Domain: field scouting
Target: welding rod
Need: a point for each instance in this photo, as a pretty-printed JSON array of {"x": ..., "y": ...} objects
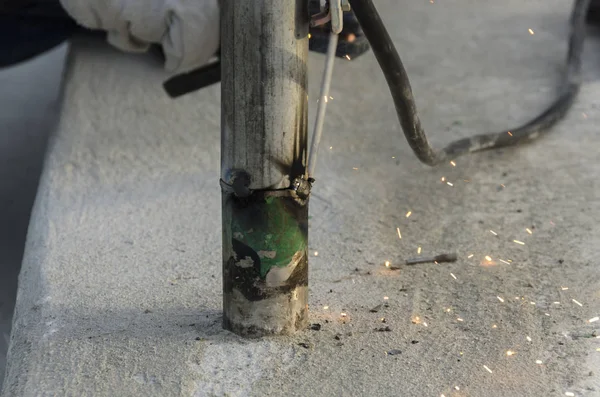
[
  {"x": 439, "y": 258},
  {"x": 325, "y": 84}
]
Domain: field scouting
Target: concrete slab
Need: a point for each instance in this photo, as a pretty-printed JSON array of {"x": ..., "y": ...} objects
[{"x": 120, "y": 290}]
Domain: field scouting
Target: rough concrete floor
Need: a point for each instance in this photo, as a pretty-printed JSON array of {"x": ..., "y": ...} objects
[
  {"x": 28, "y": 111},
  {"x": 120, "y": 289}
]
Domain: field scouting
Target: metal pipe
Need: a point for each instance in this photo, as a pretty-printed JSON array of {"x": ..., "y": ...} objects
[{"x": 264, "y": 106}]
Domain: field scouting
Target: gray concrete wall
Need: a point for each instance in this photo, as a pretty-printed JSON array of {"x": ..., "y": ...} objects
[{"x": 28, "y": 112}]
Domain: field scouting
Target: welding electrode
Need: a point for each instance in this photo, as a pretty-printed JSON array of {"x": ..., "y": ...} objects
[{"x": 439, "y": 259}]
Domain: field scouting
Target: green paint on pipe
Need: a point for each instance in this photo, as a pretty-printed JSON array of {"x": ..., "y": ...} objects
[{"x": 273, "y": 228}]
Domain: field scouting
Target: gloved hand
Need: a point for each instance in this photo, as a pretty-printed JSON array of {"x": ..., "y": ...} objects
[{"x": 187, "y": 30}]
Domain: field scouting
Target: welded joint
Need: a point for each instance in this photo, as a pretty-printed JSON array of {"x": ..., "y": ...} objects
[
  {"x": 302, "y": 187},
  {"x": 238, "y": 184},
  {"x": 240, "y": 181}
]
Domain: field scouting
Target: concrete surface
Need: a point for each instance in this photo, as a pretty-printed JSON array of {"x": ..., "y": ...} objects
[
  {"x": 120, "y": 289},
  {"x": 28, "y": 112}
]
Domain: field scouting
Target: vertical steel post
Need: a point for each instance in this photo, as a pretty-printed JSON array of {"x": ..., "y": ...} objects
[{"x": 263, "y": 153}]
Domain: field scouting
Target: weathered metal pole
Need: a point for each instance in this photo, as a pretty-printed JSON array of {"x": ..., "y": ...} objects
[{"x": 264, "y": 46}]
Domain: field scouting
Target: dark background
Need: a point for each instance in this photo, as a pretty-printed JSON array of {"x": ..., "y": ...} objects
[{"x": 29, "y": 106}]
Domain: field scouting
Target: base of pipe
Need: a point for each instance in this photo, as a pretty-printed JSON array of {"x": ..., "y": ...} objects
[{"x": 282, "y": 314}]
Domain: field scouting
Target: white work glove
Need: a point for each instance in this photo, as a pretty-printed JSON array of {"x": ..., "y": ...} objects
[{"x": 187, "y": 30}]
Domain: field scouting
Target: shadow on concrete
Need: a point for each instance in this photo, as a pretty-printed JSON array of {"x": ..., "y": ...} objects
[{"x": 29, "y": 109}]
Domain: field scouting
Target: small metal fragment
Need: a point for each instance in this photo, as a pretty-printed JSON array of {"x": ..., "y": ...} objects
[
  {"x": 394, "y": 352},
  {"x": 376, "y": 309}
]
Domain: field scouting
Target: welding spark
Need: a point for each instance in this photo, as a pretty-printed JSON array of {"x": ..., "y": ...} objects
[
  {"x": 326, "y": 99},
  {"x": 510, "y": 353},
  {"x": 453, "y": 163},
  {"x": 399, "y": 234},
  {"x": 348, "y": 57},
  {"x": 325, "y": 307},
  {"x": 460, "y": 319},
  {"x": 531, "y": 32},
  {"x": 470, "y": 256},
  {"x": 409, "y": 213},
  {"x": 330, "y": 147},
  {"x": 576, "y": 302},
  {"x": 593, "y": 320},
  {"x": 419, "y": 250},
  {"x": 316, "y": 253},
  {"x": 503, "y": 261},
  {"x": 528, "y": 230},
  {"x": 453, "y": 276},
  {"x": 533, "y": 303},
  {"x": 500, "y": 299},
  {"x": 528, "y": 339},
  {"x": 385, "y": 298},
  {"x": 493, "y": 232},
  {"x": 443, "y": 179},
  {"x": 488, "y": 258},
  {"x": 509, "y": 133},
  {"x": 387, "y": 263},
  {"x": 457, "y": 388},
  {"x": 539, "y": 362},
  {"x": 519, "y": 242},
  {"x": 449, "y": 184},
  {"x": 556, "y": 303},
  {"x": 564, "y": 288},
  {"x": 569, "y": 394},
  {"x": 343, "y": 314},
  {"x": 487, "y": 369},
  {"x": 494, "y": 326}
]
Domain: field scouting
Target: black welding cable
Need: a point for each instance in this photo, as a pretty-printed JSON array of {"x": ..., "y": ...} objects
[{"x": 399, "y": 85}]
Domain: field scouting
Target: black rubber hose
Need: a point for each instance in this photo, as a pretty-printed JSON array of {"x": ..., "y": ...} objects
[{"x": 404, "y": 102}]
